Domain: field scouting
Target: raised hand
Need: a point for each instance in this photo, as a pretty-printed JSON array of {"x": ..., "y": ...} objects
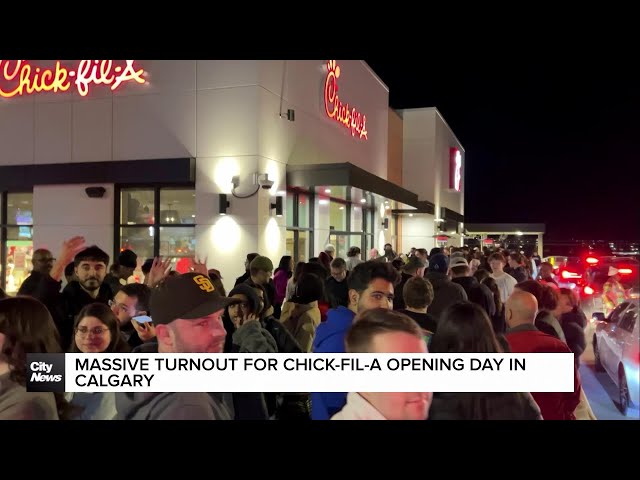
[
  {"x": 70, "y": 248},
  {"x": 159, "y": 271},
  {"x": 200, "y": 266}
]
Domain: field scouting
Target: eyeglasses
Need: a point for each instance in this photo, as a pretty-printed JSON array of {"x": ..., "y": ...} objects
[
  {"x": 95, "y": 330},
  {"x": 123, "y": 308}
]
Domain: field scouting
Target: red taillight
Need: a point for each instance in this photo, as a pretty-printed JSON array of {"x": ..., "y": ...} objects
[
  {"x": 592, "y": 260},
  {"x": 588, "y": 290},
  {"x": 625, "y": 271},
  {"x": 568, "y": 274}
]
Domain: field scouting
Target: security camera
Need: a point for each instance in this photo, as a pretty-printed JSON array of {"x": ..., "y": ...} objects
[{"x": 264, "y": 182}]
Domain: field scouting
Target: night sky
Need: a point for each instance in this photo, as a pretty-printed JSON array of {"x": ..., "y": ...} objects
[{"x": 551, "y": 139}]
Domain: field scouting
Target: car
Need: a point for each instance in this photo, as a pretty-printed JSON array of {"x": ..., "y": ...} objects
[
  {"x": 596, "y": 275},
  {"x": 568, "y": 272},
  {"x": 616, "y": 351}
]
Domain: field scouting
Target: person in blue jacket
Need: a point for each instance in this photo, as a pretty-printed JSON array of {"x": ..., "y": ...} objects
[{"x": 371, "y": 285}]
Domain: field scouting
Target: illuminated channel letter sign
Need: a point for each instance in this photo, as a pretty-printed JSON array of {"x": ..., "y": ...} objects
[
  {"x": 455, "y": 169},
  {"x": 342, "y": 113},
  {"x": 18, "y": 78}
]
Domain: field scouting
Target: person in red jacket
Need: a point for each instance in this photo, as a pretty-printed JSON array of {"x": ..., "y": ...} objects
[{"x": 524, "y": 337}]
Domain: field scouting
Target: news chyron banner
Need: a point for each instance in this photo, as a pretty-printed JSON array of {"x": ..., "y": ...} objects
[{"x": 280, "y": 372}]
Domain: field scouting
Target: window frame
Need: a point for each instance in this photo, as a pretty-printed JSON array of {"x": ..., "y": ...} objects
[
  {"x": 117, "y": 219},
  {"x": 4, "y": 228}
]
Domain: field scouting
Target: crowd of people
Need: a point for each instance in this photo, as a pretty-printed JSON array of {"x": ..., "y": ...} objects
[{"x": 449, "y": 300}]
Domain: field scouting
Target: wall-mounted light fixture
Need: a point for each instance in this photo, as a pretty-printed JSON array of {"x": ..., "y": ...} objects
[
  {"x": 385, "y": 223},
  {"x": 278, "y": 206},
  {"x": 223, "y": 203}
]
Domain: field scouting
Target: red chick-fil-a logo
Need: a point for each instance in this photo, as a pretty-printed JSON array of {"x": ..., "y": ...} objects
[
  {"x": 25, "y": 79},
  {"x": 349, "y": 117}
]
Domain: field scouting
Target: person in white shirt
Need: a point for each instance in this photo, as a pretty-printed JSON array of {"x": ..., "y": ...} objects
[
  {"x": 385, "y": 331},
  {"x": 505, "y": 282}
]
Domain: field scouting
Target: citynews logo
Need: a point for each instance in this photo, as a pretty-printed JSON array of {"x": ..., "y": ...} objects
[{"x": 45, "y": 372}]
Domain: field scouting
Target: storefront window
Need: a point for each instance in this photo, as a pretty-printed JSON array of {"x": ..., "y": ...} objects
[
  {"x": 289, "y": 244},
  {"x": 138, "y": 239},
  {"x": 170, "y": 233},
  {"x": 303, "y": 211},
  {"x": 338, "y": 216},
  {"x": 356, "y": 218},
  {"x": 17, "y": 239},
  {"x": 290, "y": 212},
  {"x": 177, "y": 206},
  {"x": 303, "y": 246},
  {"x": 137, "y": 207}
]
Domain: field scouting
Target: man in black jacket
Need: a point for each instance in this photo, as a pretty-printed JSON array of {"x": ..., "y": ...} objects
[
  {"x": 91, "y": 268},
  {"x": 477, "y": 292}
]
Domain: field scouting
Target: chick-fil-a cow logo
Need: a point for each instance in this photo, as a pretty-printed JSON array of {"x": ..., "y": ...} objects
[
  {"x": 19, "y": 78},
  {"x": 342, "y": 113},
  {"x": 455, "y": 169}
]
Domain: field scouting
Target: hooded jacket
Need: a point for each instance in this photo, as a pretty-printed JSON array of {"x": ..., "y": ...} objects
[
  {"x": 301, "y": 320},
  {"x": 478, "y": 293},
  {"x": 330, "y": 339},
  {"x": 171, "y": 405},
  {"x": 445, "y": 293}
]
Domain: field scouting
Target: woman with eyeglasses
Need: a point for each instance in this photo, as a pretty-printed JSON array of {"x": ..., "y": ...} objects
[
  {"x": 96, "y": 330},
  {"x": 26, "y": 327}
]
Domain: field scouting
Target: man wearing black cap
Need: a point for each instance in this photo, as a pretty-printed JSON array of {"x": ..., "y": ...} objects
[
  {"x": 126, "y": 264},
  {"x": 187, "y": 313},
  {"x": 445, "y": 292}
]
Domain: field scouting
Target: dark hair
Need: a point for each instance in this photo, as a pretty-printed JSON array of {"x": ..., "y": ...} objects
[
  {"x": 298, "y": 271},
  {"x": 2, "y": 294},
  {"x": 216, "y": 279},
  {"x": 573, "y": 298},
  {"x": 460, "y": 269},
  {"x": 142, "y": 294},
  {"x": 417, "y": 292},
  {"x": 316, "y": 269},
  {"x": 464, "y": 327},
  {"x": 549, "y": 300},
  {"x": 91, "y": 254},
  {"x": 534, "y": 288},
  {"x": 497, "y": 256},
  {"x": 266, "y": 303},
  {"x": 493, "y": 286},
  {"x": 481, "y": 274},
  {"x": 353, "y": 252},
  {"x": 103, "y": 313},
  {"x": 285, "y": 264},
  {"x": 422, "y": 251},
  {"x": 338, "y": 263},
  {"x": 397, "y": 263},
  {"x": 146, "y": 266},
  {"x": 28, "y": 328},
  {"x": 375, "y": 322},
  {"x": 364, "y": 273},
  {"x": 309, "y": 288},
  {"x": 70, "y": 269}
]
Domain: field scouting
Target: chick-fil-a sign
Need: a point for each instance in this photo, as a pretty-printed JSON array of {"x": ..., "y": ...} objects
[
  {"x": 342, "y": 113},
  {"x": 19, "y": 78}
]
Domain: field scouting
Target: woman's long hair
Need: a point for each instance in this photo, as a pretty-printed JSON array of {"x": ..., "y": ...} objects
[
  {"x": 465, "y": 327},
  {"x": 28, "y": 328},
  {"x": 285, "y": 264}
]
